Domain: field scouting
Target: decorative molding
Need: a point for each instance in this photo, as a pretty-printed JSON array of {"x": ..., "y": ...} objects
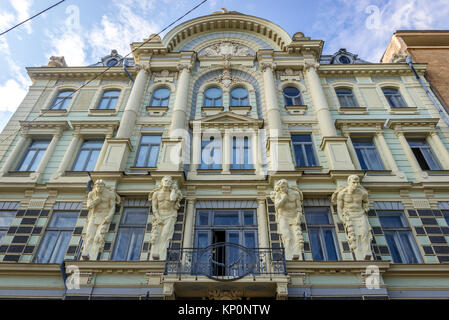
[
  {"x": 267, "y": 65},
  {"x": 182, "y": 66},
  {"x": 226, "y": 48}
]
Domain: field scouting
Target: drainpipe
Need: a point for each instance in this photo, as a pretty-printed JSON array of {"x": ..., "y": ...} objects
[
  {"x": 126, "y": 70},
  {"x": 409, "y": 61}
]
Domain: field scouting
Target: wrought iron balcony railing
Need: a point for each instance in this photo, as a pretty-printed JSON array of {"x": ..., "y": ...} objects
[{"x": 225, "y": 261}]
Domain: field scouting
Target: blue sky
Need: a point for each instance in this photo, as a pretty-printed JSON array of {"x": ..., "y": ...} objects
[{"x": 85, "y": 30}]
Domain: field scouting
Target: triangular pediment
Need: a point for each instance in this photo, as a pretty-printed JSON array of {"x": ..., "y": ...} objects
[{"x": 229, "y": 117}]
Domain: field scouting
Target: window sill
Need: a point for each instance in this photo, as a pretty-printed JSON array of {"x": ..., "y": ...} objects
[
  {"x": 437, "y": 172},
  {"x": 19, "y": 173},
  {"x": 352, "y": 110},
  {"x": 157, "y": 111},
  {"x": 378, "y": 172},
  {"x": 102, "y": 112},
  {"x": 243, "y": 171},
  {"x": 296, "y": 110},
  {"x": 407, "y": 110},
  {"x": 308, "y": 168},
  {"x": 209, "y": 171},
  {"x": 54, "y": 113},
  {"x": 243, "y": 110},
  {"x": 76, "y": 173},
  {"x": 209, "y": 111}
]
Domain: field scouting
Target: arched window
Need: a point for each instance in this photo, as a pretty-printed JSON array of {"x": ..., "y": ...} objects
[
  {"x": 346, "y": 98},
  {"x": 394, "y": 98},
  {"x": 62, "y": 100},
  {"x": 213, "y": 97},
  {"x": 292, "y": 96},
  {"x": 109, "y": 100},
  {"x": 239, "y": 97},
  {"x": 160, "y": 97}
]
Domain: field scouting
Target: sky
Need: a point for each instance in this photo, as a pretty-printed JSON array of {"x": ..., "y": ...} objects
[{"x": 83, "y": 31}]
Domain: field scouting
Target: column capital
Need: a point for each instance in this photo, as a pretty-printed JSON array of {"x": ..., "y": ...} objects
[
  {"x": 182, "y": 66},
  {"x": 267, "y": 65},
  {"x": 143, "y": 66},
  {"x": 399, "y": 133},
  {"x": 308, "y": 64}
]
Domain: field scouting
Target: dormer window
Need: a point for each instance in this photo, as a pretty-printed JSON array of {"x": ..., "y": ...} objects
[
  {"x": 292, "y": 96},
  {"x": 112, "y": 62},
  {"x": 213, "y": 97},
  {"x": 344, "y": 60}
]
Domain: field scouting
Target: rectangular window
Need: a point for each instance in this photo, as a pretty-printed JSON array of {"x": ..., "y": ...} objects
[
  {"x": 148, "y": 151},
  {"x": 211, "y": 153},
  {"x": 446, "y": 215},
  {"x": 304, "y": 151},
  {"x": 130, "y": 234},
  {"x": 241, "y": 153},
  {"x": 367, "y": 154},
  {"x": 399, "y": 237},
  {"x": 88, "y": 155},
  {"x": 424, "y": 154},
  {"x": 323, "y": 240},
  {"x": 57, "y": 236},
  {"x": 33, "y": 155},
  {"x": 6, "y": 218}
]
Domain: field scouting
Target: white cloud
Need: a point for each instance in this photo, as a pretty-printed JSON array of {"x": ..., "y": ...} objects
[
  {"x": 366, "y": 26},
  {"x": 11, "y": 95},
  {"x": 22, "y": 8}
]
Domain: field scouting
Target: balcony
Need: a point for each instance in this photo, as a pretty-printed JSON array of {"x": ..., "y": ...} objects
[{"x": 225, "y": 261}]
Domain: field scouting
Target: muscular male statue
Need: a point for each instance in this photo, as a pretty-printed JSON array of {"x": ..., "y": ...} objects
[
  {"x": 101, "y": 203},
  {"x": 288, "y": 204},
  {"x": 165, "y": 200},
  {"x": 352, "y": 206}
]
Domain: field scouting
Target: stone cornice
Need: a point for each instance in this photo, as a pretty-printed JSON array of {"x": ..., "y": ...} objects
[
  {"x": 374, "y": 69},
  {"x": 406, "y": 124},
  {"x": 78, "y": 73},
  {"x": 347, "y": 124}
]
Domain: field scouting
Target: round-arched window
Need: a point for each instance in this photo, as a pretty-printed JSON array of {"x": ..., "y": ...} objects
[
  {"x": 160, "y": 97},
  {"x": 239, "y": 97},
  {"x": 112, "y": 62},
  {"x": 292, "y": 96},
  {"x": 344, "y": 60},
  {"x": 213, "y": 97}
]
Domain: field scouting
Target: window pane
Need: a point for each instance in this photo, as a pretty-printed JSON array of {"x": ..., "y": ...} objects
[
  {"x": 154, "y": 152},
  {"x": 213, "y": 93},
  {"x": 37, "y": 160},
  {"x": 239, "y": 92},
  {"x": 202, "y": 239},
  {"x": 407, "y": 247},
  {"x": 317, "y": 215},
  {"x": 135, "y": 216},
  {"x": 299, "y": 156},
  {"x": 291, "y": 91},
  {"x": 394, "y": 250},
  {"x": 310, "y": 155},
  {"x": 121, "y": 244},
  {"x": 60, "y": 247},
  {"x": 135, "y": 244},
  {"x": 203, "y": 218},
  {"x": 142, "y": 155},
  {"x": 2, "y": 235},
  {"x": 330, "y": 245},
  {"x": 226, "y": 218},
  {"x": 148, "y": 139},
  {"x": 26, "y": 163},
  {"x": 250, "y": 240},
  {"x": 64, "y": 220},
  {"x": 315, "y": 242},
  {"x": 46, "y": 247},
  {"x": 391, "y": 221},
  {"x": 81, "y": 161},
  {"x": 249, "y": 218},
  {"x": 6, "y": 218},
  {"x": 431, "y": 161},
  {"x": 301, "y": 138},
  {"x": 92, "y": 160},
  {"x": 161, "y": 93}
]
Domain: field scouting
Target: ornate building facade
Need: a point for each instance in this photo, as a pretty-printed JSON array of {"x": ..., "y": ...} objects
[{"x": 226, "y": 160}]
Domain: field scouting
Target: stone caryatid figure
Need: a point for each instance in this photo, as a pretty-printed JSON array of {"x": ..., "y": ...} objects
[
  {"x": 288, "y": 205},
  {"x": 352, "y": 208},
  {"x": 101, "y": 203},
  {"x": 165, "y": 202}
]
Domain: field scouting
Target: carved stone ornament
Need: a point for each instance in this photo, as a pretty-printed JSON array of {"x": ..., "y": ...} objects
[
  {"x": 288, "y": 205},
  {"x": 227, "y": 48},
  {"x": 145, "y": 67},
  {"x": 57, "y": 62},
  {"x": 101, "y": 203},
  {"x": 183, "y": 66},
  {"x": 352, "y": 208},
  {"x": 265, "y": 65},
  {"x": 311, "y": 64},
  {"x": 217, "y": 294},
  {"x": 165, "y": 201}
]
